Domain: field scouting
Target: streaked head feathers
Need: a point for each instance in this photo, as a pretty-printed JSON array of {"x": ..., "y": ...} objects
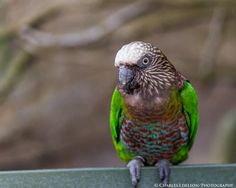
[{"x": 130, "y": 53}]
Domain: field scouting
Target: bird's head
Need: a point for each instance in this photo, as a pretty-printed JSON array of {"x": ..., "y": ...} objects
[{"x": 144, "y": 69}]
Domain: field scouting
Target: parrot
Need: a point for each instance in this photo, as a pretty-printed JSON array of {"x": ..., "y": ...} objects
[{"x": 153, "y": 113}]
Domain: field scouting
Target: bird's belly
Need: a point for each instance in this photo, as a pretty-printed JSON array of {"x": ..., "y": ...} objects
[{"x": 154, "y": 141}]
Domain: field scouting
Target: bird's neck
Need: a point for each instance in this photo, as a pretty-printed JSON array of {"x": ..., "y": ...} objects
[{"x": 152, "y": 110}]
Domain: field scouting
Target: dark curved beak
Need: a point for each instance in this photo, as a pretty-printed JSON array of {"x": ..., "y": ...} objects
[{"x": 126, "y": 75}]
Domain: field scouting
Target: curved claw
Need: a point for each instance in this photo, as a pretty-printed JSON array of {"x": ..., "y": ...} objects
[
  {"x": 135, "y": 170},
  {"x": 164, "y": 169}
]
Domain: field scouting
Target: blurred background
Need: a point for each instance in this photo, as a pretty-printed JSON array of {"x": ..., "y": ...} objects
[{"x": 57, "y": 75}]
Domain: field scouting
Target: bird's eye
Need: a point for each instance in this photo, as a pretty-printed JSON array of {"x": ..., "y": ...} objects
[{"x": 145, "y": 61}]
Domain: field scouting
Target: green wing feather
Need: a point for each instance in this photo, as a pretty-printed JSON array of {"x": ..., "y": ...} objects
[
  {"x": 190, "y": 109},
  {"x": 117, "y": 112}
]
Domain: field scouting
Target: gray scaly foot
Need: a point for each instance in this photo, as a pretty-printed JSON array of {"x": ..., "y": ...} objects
[
  {"x": 135, "y": 169},
  {"x": 164, "y": 169}
]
